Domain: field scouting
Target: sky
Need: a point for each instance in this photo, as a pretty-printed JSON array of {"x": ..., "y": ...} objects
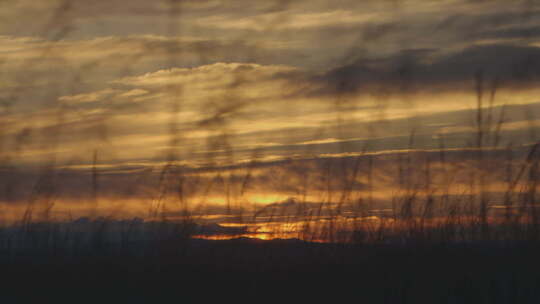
[{"x": 126, "y": 85}]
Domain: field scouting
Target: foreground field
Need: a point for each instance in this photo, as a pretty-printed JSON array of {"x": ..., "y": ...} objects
[{"x": 243, "y": 270}]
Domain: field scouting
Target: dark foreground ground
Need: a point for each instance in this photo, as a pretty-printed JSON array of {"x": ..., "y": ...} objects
[{"x": 197, "y": 271}]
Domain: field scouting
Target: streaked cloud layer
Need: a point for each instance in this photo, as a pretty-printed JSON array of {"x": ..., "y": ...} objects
[{"x": 221, "y": 81}]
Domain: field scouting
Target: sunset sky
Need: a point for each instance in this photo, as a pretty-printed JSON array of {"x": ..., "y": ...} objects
[
  {"x": 129, "y": 85},
  {"x": 277, "y": 77}
]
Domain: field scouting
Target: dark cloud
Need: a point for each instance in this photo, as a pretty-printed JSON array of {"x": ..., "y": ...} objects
[
  {"x": 422, "y": 69},
  {"x": 512, "y": 64},
  {"x": 216, "y": 229},
  {"x": 515, "y": 32}
]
